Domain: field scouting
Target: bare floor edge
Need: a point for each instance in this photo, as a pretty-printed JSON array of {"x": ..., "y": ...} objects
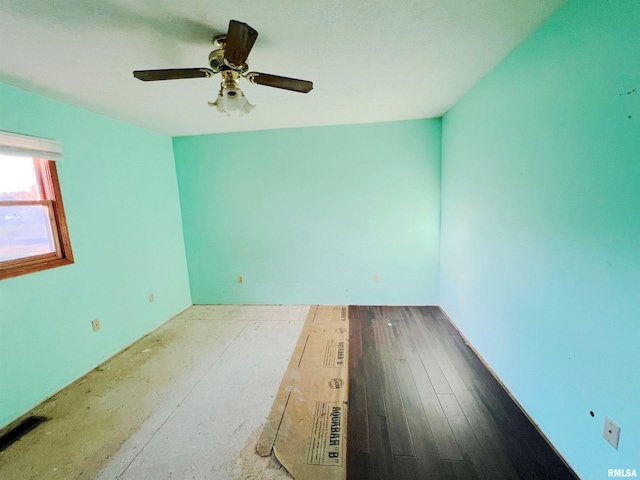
[
  {"x": 508, "y": 392},
  {"x": 95, "y": 416},
  {"x": 13, "y": 424},
  {"x": 251, "y": 466}
]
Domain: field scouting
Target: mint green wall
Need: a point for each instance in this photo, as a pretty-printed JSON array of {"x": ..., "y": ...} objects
[
  {"x": 121, "y": 199},
  {"x": 541, "y": 230},
  {"x": 310, "y": 215}
]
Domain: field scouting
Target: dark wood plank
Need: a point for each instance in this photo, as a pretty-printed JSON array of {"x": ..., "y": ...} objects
[
  {"x": 423, "y": 439},
  {"x": 469, "y": 446},
  {"x": 486, "y": 431},
  {"x": 555, "y": 472},
  {"x": 355, "y": 340},
  {"x": 519, "y": 437},
  {"x": 446, "y": 444},
  {"x": 454, "y": 470},
  {"x": 472, "y": 451},
  {"x": 353, "y": 312},
  {"x": 425, "y": 346},
  {"x": 372, "y": 370},
  {"x": 419, "y": 321},
  {"x": 399, "y": 434},
  {"x": 449, "y": 404},
  {"x": 359, "y": 466},
  {"x": 407, "y": 468},
  {"x": 389, "y": 324},
  {"x": 382, "y": 464},
  {"x": 358, "y": 428},
  {"x": 514, "y": 442}
]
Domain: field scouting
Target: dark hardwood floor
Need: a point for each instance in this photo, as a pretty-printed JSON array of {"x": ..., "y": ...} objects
[{"x": 422, "y": 405}]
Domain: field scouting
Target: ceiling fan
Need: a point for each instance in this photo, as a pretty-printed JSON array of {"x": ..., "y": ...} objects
[{"x": 230, "y": 60}]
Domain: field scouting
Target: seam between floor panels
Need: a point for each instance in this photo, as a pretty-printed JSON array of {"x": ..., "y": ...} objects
[{"x": 152, "y": 436}]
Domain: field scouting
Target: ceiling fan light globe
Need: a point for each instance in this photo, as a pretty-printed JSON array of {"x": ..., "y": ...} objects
[{"x": 232, "y": 99}]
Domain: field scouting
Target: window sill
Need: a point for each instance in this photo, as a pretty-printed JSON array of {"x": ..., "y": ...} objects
[{"x": 32, "y": 267}]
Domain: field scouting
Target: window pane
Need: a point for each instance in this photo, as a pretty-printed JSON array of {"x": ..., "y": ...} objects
[
  {"x": 17, "y": 179},
  {"x": 25, "y": 231}
]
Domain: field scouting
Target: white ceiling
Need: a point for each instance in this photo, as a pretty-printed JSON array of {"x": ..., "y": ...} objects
[{"x": 370, "y": 60}]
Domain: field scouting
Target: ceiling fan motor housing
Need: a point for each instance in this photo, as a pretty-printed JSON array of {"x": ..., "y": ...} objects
[{"x": 217, "y": 60}]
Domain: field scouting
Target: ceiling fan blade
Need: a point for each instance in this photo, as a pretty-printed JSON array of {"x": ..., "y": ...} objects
[
  {"x": 240, "y": 40},
  {"x": 172, "y": 74},
  {"x": 286, "y": 83}
]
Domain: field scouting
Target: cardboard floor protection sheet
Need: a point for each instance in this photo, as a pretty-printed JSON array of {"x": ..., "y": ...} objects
[{"x": 307, "y": 426}]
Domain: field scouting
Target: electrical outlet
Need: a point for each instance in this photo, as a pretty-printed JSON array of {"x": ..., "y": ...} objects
[
  {"x": 240, "y": 279},
  {"x": 376, "y": 278},
  {"x": 95, "y": 324},
  {"x": 152, "y": 298},
  {"x": 462, "y": 300},
  {"x": 611, "y": 432}
]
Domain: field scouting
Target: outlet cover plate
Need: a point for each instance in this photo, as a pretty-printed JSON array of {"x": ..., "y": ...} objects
[
  {"x": 611, "y": 432},
  {"x": 95, "y": 324}
]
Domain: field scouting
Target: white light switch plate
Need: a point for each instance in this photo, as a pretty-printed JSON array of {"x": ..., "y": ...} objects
[{"x": 611, "y": 432}]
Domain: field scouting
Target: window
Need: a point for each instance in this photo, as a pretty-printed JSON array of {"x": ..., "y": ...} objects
[{"x": 33, "y": 228}]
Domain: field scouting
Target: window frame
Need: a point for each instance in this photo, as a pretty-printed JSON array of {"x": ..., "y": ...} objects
[{"x": 49, "y": 184}]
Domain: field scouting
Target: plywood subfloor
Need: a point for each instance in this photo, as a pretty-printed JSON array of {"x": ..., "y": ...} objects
[{"x": 185, "y": 402}]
